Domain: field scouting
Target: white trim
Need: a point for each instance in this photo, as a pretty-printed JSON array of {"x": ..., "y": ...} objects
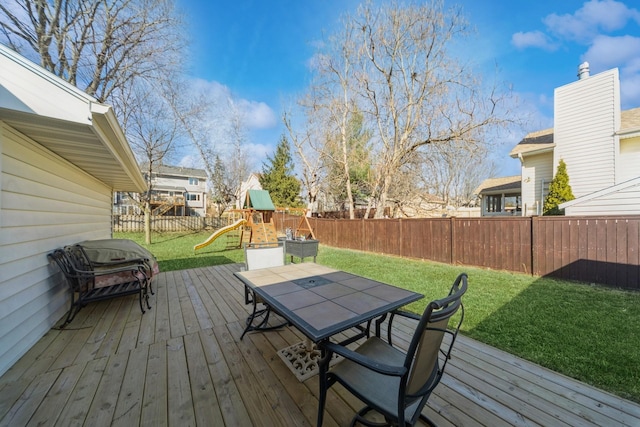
[
  {"x": 45, "y": 75},
  {"x": 600, "y": 193}
]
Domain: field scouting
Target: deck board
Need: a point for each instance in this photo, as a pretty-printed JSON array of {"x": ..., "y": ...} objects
[{"x": 182, "y": 363}]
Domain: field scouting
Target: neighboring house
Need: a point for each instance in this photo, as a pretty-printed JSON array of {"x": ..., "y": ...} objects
[
  {"x": 62, "y": 155},
  {"x": 599, "y": 143},
  {"x": 500, "y": 196},
  {"x": 252, "y": 183},
  {"x": 175, "y": 191}
]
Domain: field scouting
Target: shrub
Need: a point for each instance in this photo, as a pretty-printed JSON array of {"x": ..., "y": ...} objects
[{"x": 559, "y": 191}]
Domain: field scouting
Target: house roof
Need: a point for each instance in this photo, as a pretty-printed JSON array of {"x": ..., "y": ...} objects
[
  {"x": 538, "y": 141},
  {"x": 542, "y": 140},
  {"x": 630, "y": 123},
  {"x": 170, "y": 188},
  {"x": 66, "y": 121},
  {"x": 259, "y": 200},
  {"x": 180, "y": 171},
  {"x": 500, "y": 185}
]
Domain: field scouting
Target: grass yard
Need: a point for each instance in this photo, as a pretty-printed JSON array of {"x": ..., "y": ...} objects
[{"x": 586, "y": 332}]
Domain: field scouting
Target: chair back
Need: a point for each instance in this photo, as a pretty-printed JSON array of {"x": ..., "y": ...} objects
[
  {"x": 264, "y": 255},
  {"x": 75, "y": 266},
  {"x": 427, "y": 347}
]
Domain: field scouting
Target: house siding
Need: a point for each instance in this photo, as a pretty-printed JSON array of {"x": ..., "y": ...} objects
[
  {"x": 629, "y": 159},
  {"x": 587, "y": 115},
  {"x": 45, "y": 203},
  {"x": 623, "y": 202},
  {"x": 537, "y": 168}
]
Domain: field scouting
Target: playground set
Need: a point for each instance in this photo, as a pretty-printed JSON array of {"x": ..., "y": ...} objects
[{"x": 254, "y": 223}]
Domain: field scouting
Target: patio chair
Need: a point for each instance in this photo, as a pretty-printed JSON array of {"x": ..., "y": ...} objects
[
  {"x": 390, "y": 382},
  {"x": 257, "y": 256}
]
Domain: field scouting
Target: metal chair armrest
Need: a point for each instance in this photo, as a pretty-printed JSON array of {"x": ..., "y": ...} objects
[
  {"x": 401, "y": 313},
  {"x": 362, "y": 360}
]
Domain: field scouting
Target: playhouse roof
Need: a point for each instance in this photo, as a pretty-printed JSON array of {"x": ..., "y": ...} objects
[{"x": 259, "y": 200}]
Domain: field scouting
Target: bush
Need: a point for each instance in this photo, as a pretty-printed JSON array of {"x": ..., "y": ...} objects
[{"x": 559, "y": 191}]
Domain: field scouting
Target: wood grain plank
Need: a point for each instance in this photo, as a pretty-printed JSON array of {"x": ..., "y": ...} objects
[
  {"x": 199, "y": 307},
  {"x": 205, "y": 403},
  {"x": 230, "y": 401},
  {"x": 154, "y": 402},
  {"x": 189, "y": 317},
  {"x": 106, "y": 397},
  {"x": 22, "y": 410},
  {"x": 163, "y": 324},
  {"x": 254, "y": 397},
  {"x": 53, "y": 403},
  {"x": 77, "y": 407},
  {"x": 175, "y": 312},
  {"x": 180, "y": 405},
  {"x": 129, "y": 405}
]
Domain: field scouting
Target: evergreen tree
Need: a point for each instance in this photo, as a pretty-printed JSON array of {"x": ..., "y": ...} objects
[
  {"x": 559, "y": 191},
  {"x": 278, "y": 178}
]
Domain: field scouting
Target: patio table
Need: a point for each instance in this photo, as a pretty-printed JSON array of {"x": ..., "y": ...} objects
[{"x": 320, "y": 301}]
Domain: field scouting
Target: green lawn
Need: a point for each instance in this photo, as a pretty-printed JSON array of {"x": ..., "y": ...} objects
[{"x": 586, "y": 332}]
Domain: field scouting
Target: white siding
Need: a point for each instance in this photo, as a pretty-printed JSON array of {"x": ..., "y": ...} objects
[
  {"x": 623, "y": 202},
  {"x": 587, "y": 115},
  {"x": 45, "y": 203},
  {"x": 629, "y": 159},
  {"x": 536, "y": 169}
]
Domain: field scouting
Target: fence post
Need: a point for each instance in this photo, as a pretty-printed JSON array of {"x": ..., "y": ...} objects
[
  {"x": 452, "y": 261},
  {"x": 534, "y": 244}
]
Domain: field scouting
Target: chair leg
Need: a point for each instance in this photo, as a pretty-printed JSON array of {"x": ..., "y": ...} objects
[
  {"x": 323, "y": 367},
  {"x": 140, "y": 300}
]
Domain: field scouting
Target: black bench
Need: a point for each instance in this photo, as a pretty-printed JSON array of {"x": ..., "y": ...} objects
[{"x": 122, "y": 278}]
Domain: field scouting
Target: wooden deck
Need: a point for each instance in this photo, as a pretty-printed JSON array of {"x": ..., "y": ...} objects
[{"x": 182, "y": 364}]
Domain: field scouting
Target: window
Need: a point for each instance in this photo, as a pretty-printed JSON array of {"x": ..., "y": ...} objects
[
  {"x": 494, "y": 203},
  {"x": 193, "y": 181},
  {"x": 193, "y": 197},
  {"x": 512, "y": 204}
]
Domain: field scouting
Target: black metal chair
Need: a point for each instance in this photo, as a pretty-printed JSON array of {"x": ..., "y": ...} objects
[
  {"x": 390, "y": 382},
  {"x": 81, "y": 275}
]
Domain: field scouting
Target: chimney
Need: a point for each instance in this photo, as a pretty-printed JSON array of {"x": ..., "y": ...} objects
[{"x": 583, "y": 70}]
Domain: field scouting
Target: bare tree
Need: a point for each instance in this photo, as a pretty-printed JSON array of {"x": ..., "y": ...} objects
[
  {"x": 311, "y": 157},
  {"x": 239, "y": 166},
  {"x": 100, "y": 46},
  {"x": 152, "y": 133},
  {"x": 331, "y": 104},
  {"x": 412, "y": 89},
  {"x": 453, "y": 171}
]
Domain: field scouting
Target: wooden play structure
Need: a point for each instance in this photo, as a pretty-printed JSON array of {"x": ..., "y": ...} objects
[{"x": 254, "y": 223}]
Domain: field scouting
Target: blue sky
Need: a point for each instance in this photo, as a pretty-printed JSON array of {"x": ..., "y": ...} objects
[{"x": 257, "y": 51}]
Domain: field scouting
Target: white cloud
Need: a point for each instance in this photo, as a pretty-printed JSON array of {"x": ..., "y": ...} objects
[
  {"x": 532, "y": 39},
  {"x": 606, "y": 52},
  {"x": 191, "y": 161},
  {"x": 257, "y": 115},
  {"x": 592, "y": 17},
  {"x": 623, "y": 52}
]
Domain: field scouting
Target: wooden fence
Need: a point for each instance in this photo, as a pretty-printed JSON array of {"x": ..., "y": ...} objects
[
  {"x": 600, "y": 250},
  {"x": 135, "y": 223}
]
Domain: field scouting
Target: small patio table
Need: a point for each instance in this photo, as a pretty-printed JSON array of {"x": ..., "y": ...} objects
[{"x": 320, "y": 301}]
